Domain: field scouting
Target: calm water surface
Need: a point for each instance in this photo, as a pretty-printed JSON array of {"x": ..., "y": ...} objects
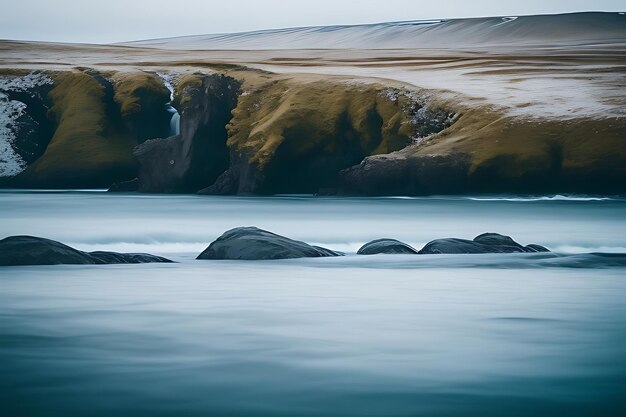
[{"x": 447, "y": 335}]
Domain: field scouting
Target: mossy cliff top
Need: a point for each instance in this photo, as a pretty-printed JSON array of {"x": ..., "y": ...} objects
[
  {"x": 319, "y": 116},
  {"x": 515, "y": 147},
  {"x": 91, "y": 145},
  {"x": 185, "y": 87},
  {"x": 487, "y": 151},
  {"x": 134, "y": 91}
]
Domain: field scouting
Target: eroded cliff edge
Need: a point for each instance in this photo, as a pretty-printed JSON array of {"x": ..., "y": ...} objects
[{"x": 252, "y": 132}]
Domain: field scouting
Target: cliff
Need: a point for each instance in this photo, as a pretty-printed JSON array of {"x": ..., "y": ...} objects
[{"x": 253, "y": 132}]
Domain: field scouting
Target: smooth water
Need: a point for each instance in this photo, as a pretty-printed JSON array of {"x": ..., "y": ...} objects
[{"x": 385, "y": 335}]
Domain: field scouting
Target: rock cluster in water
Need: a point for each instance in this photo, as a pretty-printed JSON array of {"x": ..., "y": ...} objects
[
  {"x": 252, "y": 243},
  {"x": 30, "y": 250},
  {"x": 248, "y": 243},
  {"x": 485, "y": 243}
]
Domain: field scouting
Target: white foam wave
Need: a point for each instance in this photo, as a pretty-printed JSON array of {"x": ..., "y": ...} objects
[
  {"x": 557, "y": 197},
  {"x": 574, "y": 249}
]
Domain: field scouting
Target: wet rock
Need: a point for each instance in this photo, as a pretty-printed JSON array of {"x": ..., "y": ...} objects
[
  {"x": 124, "y": 186},
  {"x": 251, "y": 243},
  {"x": 126, "y": 258},
  {"x": 495, "y": 239},
  {"x": 388, "y": 246},
  {"x": 485, "y": 243},
  {"x": 30, "y": 250},
  {"x": 536, "y": 248}
]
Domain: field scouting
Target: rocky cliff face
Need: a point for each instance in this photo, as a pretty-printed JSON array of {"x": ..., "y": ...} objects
[
  {"x": 291, "y": 137},
  {"x": 247, "y": 132},
  {"x": 195, "y": 158},
  {"x": 279, "y": 137}
]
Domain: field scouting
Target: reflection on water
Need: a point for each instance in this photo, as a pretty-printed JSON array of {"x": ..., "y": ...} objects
[{"x": 482, "y": 335}]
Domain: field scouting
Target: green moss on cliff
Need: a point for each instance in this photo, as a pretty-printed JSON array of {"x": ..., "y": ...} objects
[
  {"x": 141, "y": 98},
  {"x": 301, "y": 134},
  {"x": 317, "y": 115},
  {"x": 513, "y": 154},
  {"x": 136, "y": 91},
  {"x": 87, "y": 149},
  {"x": 185, "y": 87}
]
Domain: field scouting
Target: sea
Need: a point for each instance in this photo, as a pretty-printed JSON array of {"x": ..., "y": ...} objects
[{"x": 540, "y": 334}]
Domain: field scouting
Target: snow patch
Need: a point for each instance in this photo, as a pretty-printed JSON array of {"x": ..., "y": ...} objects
[{"x": 11, "y": 163}]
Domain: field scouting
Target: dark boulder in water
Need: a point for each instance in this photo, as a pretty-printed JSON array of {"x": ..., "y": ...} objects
[
  {"x": 485, "y": 243},
  {"x": 388, "y": 246},
  {"x": 30, "y": 250},
  {"x": 252, "y": 243}
]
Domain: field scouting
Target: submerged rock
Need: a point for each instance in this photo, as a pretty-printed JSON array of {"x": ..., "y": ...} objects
[
  {"x": 536, "y": 248},
  {"x": 389, "y": 246},
  {"x": 485, "y": 243},
  {"x": 252, "y": 243},
  {"x": 30, "y": 250},
  {"x": 124, "y": 186},
  {"x": 126, "y": 258}
]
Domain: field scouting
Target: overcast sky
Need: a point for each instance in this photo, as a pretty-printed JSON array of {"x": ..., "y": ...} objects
[{"x": 107, "y": 21}]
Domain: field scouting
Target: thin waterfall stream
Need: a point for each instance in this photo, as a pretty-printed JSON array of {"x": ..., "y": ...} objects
[{"x": 175, "y": 119}]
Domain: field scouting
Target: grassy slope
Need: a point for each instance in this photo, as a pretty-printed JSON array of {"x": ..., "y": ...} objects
[
  {"x": 301, "y": 133},
  {"x": 134, "y": 91},
  {"x": 316, "y": 116},
  {"x": 518, "y": 150},
  {"x": 87, "y": 149}
]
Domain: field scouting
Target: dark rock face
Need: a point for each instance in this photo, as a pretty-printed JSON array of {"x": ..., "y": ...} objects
[
  {"x": 241, "y": 178},
  {"x": 485, "y": 243},
  {"x": 251, "y": 243},
  {"x": 389, "y": 246},
  {"x": 402, "y": 173},
  {"x": 194, "y": 159},
  {"x": 30, "y": 250}
]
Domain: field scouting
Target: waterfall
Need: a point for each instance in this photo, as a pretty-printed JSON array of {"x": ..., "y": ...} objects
[
  {"x": 174, "y": 121},
  {"x": 175, "y": 118}
]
